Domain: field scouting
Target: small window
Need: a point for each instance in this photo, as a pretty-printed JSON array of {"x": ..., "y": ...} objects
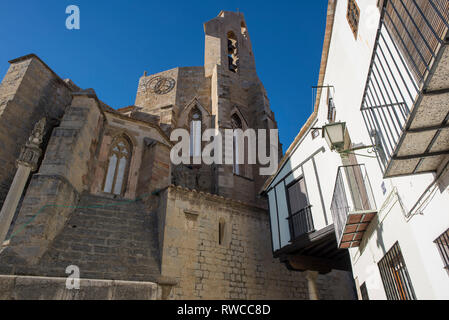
[
  {"x": 364, "y": 291},
  {"x": 332, "y": 114},
  {"x": 331, "y": 110},
  {"x": 395, "y": 277},
  {"x": 195, "y": 133},
  {"x": 443, "y": 246},
  {"x": 238, "y": 149},
  {"x": 353, "y": 16},
  {"x": 315, "y": 133},
  {"x": 221, "y": 232}
]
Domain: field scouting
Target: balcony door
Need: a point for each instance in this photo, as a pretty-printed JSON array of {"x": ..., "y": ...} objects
[
  {"x": 300, "y": 218},
  {"x": 297, "y": 195}
]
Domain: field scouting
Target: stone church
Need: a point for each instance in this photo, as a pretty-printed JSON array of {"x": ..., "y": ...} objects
[{"x": 87, "y": 187}]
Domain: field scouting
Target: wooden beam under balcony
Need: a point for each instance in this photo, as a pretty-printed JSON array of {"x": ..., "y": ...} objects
[
  {"x": 317, "y": 251},
  {"x": 321, "y": 265}
]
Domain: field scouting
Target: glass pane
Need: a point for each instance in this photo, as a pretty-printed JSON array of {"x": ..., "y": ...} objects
[
  {"x": 110, "y": 174},
  {"x": 120, "y": 176}
]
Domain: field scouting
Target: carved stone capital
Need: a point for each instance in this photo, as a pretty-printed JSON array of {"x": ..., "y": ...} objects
[{"x": 29, "y": 156}]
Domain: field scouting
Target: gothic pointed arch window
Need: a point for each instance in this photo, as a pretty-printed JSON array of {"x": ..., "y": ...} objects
[
  {"x": 237, "y": 147},
  {"x": 195, "y": 132},
  {"x": 118, "y": 166}
]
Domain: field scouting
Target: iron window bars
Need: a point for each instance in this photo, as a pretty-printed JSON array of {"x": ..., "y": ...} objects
[
  {"x": 395, "y": 277},
  {"x": 352, "y": 193},
  {"x": 407, "y": 42},
  {"x": 443, "y": 246}
]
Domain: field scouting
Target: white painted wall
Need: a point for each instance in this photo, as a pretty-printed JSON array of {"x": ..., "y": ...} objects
[{"x": 347, "y": 70}]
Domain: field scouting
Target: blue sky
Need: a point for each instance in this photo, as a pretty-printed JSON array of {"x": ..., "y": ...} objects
[{"x": 119, "y": 40}]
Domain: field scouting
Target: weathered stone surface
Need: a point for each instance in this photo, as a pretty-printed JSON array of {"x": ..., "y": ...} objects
[
  {"x": 46, "y": 288},
  {"x": 241, "y": 265},
  {"x": 29, "y": 91},
  {"x": 106, "y": 239}
]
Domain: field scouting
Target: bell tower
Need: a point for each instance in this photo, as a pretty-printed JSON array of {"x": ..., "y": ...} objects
[
  {"x": 238, "y": 99},
  {"x": 228, "y": 45}
]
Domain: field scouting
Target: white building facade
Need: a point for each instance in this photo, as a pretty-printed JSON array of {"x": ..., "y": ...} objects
[{"x": 371, "y": 165}]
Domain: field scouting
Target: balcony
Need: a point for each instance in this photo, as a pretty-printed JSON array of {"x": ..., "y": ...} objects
[
  {"x": 301, "y": 223},
  {"x": 312, "y": 249},
  {"x": 353, "y": 206},
  {"x": 406, "y": 100}
]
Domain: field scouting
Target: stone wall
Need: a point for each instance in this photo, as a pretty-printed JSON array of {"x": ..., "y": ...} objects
[
  {"x": 155, "y": 170},
  {"x": 54, "y": 191},
  {"x": 28, "y": 92},
  {"x": 43, "y": 288},
  {"x": 242, "y": 266},
  {"x": 72, "y": 150}
]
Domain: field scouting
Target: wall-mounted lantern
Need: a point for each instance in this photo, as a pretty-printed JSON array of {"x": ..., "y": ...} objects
[{"x": 334, "y": 133}]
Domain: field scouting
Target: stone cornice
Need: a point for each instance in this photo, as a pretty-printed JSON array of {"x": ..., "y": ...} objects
[{"x": 231, "y": 203}]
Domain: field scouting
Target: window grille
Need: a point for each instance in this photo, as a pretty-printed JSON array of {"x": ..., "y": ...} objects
[
  {"x": 395, "y": 277},
  {"x": 443, "y": 246}
]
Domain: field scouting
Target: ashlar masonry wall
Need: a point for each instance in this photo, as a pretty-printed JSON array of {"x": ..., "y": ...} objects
[
  {"x": 241, "y": 264},
  {"x": 28, "y": 92}
]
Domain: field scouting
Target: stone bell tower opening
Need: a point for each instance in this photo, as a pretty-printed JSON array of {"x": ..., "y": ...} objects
[
  {"x": 233, "y": 57},
  {"x": 228, "y": 45}
]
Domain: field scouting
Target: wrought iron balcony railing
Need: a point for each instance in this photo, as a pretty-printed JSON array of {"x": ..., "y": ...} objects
[
  {"x": 410, "y": 48},
  {"x": 353, "y": 205},
  {"x": 301, "y": 223}
]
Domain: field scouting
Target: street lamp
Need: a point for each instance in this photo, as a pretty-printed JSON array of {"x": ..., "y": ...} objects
[{"x": 334, "y": 133}]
